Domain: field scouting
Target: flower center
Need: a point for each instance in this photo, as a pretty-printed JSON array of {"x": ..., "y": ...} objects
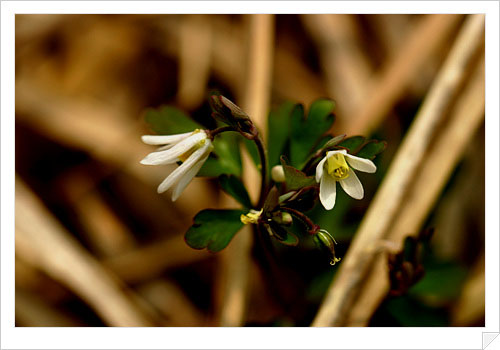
[
  {"x": 183, "y": 157},
  {"x": 337, "y": 167}
]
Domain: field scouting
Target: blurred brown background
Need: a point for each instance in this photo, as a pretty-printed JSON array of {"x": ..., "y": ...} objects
[{"x": 96, "y": 245}]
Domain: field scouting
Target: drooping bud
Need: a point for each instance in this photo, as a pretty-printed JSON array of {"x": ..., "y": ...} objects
[
  {"x": 228, "y": 112},
  {"x": 326, "y": 241}
]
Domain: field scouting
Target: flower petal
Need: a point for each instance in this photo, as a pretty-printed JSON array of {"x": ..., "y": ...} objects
[
  {"x": 361, "y": 164},
  {"x": 319, "y": 169},
  {"x": 352, "y": 186},
  {"x": 178, "y": 173},
  {"x": 171, "y": 155},
  {"x": 186, "y": 179},
  {"x": 327, "y": 191},
  {"x": 164, "y": 139}
]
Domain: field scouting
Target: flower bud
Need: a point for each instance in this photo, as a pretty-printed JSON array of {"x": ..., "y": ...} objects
[
  {"x": 326, "y": 241},
  {"x": 278, "y": 174},
  {"x": 228, "y": 112},
  {"x": 283, "y": 218}
]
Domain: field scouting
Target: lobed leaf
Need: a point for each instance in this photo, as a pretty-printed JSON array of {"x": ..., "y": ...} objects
[
  {"x": 371, "y": 149},
  {"x": 214, "y": 229},
  {"x": 305, "y": 132},
  {"x": 279, "y": 132},
  {"x": 294, "y": 178},
  {"x": 352, "y": 143}
]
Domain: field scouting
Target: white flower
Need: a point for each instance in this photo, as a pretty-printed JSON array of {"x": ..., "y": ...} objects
[
  {"x": 334, "y": 168},
  {"x": 192, "y": 148}
]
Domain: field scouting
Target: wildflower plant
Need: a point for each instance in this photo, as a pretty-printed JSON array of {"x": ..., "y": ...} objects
[{"x": 301, "y": 164}]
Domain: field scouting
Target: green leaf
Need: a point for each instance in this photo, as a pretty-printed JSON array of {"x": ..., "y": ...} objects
[
  {"x": 305, "y": 132},
  {"x": 442, "y": 280},
  {"x": 169, "y": 120},
  {"x": 279, "y": 132},
  {"x": 334, "y": 141},
  {"x": 234, "y": 187},
  {"x": 214, "y": 229},
  {"x": 371, "y": 149},
  {"x": 352, "y": 143},
  {"x": 225, "y": 158},
  {"x": 294, "y": 178},
  {"x": 409, "y": 312}
]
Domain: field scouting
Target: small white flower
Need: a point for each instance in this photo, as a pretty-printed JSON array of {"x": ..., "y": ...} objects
[
  {"x": 192, "y": 148},
  {"x": 334, "y": 168}
]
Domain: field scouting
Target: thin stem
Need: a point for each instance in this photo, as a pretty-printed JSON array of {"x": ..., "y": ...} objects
[
  {"x": 212, "y": 133},
  {"x": 313, "y": 228},
  {"x": 263, "y": 170}
]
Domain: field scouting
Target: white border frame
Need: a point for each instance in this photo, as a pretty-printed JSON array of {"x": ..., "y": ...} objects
[{"x": 223, "y": 338}]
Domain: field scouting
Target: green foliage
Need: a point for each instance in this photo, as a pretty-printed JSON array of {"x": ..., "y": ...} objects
[
  {"x": 442, "y": 280},
  {"x": 371, "y": 149},
  {"x": 334, "y": 141},
  {"x": 294, "y": 178},
  {"x": 169, "y": 120},
  {"x": 225, "y": 158},
  {"x": 305, "y": 132},
  {"x": 234, "y": 187},
  {"x": 214, "y": 229},
  {"x": 352, "y": 143},
  {"x": 279, "y": 132},
  {"x": 409, "y": 312}
]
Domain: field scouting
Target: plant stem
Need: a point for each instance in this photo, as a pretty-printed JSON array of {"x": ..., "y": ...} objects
[
  {"x": 263, "y": 170},
  {"x": 212, "y": 133},
  {"x": 312, "y": 227}
]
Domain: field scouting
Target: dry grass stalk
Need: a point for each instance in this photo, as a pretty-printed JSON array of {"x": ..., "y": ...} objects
[
  {"x": 389, "y": 85},
  {"x": 150, "y": 261},
  {"x": 345, "y": 65},
  {"x": 389, "y": 198},
  {"x": 41, "y": 240},
  {"x": 33, "y": 311},
  {"x": 236, "y": 258},
  {"x": 466, "y": 118},
  {"x": 172, "y": 302},
  {"x": 105, "y": 231},
  {"x": 470, "y": 307},
  {"x": 101, "y": 131},
  {"x": 194, "y": 60}
]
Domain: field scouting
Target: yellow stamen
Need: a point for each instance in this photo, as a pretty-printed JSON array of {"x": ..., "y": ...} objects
[
  {"x": 337, "y": 166},
  {"x": 252, "y": 217}
]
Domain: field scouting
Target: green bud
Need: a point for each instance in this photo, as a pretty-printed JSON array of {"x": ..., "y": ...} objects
[
  {"x": 326, "y": 241},
  {"x": 282, "y": 218}
]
